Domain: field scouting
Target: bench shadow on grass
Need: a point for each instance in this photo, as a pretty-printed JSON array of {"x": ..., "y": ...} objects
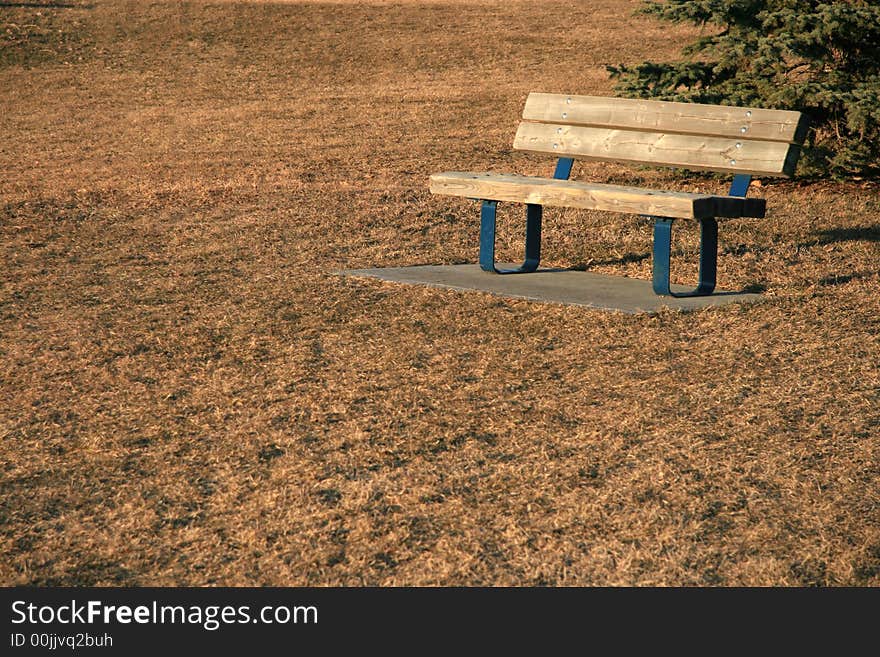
[
  {"x": 629, "y": 258},
  {"x": 830, "y": 236}
]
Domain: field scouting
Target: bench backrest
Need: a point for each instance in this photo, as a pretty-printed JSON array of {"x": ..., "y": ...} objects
[{"x": 688, "y": 135}]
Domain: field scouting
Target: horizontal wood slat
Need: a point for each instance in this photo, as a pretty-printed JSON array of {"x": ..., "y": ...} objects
[
  {"x": 592, "y": 196},
  {"x": 668, "y": 117},
  {"x": 655, "y": 148}
]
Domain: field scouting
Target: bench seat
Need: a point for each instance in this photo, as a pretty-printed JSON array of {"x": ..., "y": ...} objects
[{"x": 592, "y": 196}]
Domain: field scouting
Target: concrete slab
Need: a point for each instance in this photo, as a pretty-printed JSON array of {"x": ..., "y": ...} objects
[{"x": 563, "y": 286}]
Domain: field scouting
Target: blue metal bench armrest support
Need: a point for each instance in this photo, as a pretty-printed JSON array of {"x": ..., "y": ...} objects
[
  {"x": 534, "y": 213},
  {"x": 708, "y": 248}
]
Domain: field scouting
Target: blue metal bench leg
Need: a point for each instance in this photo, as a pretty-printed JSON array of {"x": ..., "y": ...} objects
[
  {"x": 708, "y": 257},
  {"x": 487, "y": 239}
]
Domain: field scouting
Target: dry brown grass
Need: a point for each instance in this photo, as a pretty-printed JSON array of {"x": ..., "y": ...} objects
[{"x": 189, "y": 395}]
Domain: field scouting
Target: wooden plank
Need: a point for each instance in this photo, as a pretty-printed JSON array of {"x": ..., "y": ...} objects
[
  {"x": 668, "y": 117},
  {"x": 592, "y": 196},
  {"x": 657, "y": 148}
]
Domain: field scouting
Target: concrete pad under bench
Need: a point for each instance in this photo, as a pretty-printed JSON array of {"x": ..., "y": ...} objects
[{"x": 578, "y": 288}]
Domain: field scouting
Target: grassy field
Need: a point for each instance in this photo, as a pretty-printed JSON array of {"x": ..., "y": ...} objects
[{"x": 190, "y": 395}]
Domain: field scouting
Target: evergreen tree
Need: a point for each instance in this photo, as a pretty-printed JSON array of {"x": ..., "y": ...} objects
[{"x": 821, "y": 58}]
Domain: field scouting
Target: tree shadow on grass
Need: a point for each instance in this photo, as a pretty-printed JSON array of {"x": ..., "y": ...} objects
[
  {"x": 838, "y": 235},
  {"x": 841, "y": 279},
  {"x": 857, "y": 234}
]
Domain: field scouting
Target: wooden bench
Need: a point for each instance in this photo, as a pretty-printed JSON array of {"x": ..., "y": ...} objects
[{"x": 738, "y": 140}]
